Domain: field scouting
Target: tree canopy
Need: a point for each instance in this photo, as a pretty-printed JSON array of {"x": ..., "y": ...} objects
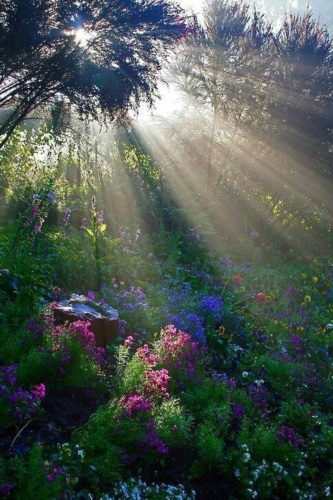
[
  {"x": 273, "y": 86},
  {"x": 108, "y": 70}
]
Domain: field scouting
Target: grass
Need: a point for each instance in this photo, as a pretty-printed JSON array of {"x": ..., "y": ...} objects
[{"x": 236, "y": 397}]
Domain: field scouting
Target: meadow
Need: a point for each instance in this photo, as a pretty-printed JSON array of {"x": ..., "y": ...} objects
[{"x": 219, "y": 382}]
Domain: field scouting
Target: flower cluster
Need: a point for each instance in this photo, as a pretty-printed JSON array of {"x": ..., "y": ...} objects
[
  {"x": 66, "y": 217},
  {"x": 289, "y": 434},
  {"x": 179, "y": 353},
  {"x": 135, "y": 403},
  {"x": 22, "y": 403},
  {"x": 152, "y": 440},
  {"x": 136, "y": 488},
  {"x": 192, "y": 311},
  {"x": 157, "y": 382},
  {"x": 133, "y": 299},
  {"x": 79, "y": 330},
  {"x": 127, "y": 239},
  {"x": 53, "y": 475},
  {"x": 40, "y": 205}
]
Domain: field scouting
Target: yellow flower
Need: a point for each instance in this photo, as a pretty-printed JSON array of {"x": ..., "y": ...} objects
[
  {"x": 221, "y": 330},
  {"x": 315, "y": 279},
  {"x": 307, "y": 298}
]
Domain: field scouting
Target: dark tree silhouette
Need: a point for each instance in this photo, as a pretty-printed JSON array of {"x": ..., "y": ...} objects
[
  {"x": 226, "y": 65},
  {"x": 42, "y": 60}
]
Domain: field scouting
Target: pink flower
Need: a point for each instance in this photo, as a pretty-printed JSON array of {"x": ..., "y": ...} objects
[
  {"x": 39, "y": 391},
  {"x": 135, "y": 403},
  {"x": 53, "y": 475},
  {"x": 91, "y": 295},
  {"x": 129, "y": 341},
  {"x": 238, "y": 280},
  {"x": 157, "y": 382},
  {"x": 261, "y": 297}
]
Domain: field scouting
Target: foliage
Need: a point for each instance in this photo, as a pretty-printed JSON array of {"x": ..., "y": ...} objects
[
  {"x": 234, "y": 394},
  {"x": 109, "y": 71},
  {"x": 256, "y": 130}
]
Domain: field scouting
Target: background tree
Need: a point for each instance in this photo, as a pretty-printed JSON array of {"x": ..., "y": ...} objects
[
  {"x": 223, "y": 69},
  {"x": 302, "y": 108},
  {"x": 265, "y": 101},
  {"x": 102, "y": 56}
]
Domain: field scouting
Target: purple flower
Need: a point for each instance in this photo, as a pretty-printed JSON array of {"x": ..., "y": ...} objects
[
  {"x": 238, "y": 410},
  {"x": 91, "y": 295},
  {"x": 53, "y": 475},
  {"x": 151, "y": 439},
  {"x": 67, "y": 216},
  {"x": 51, "y": 196},
  {"x": 297, "y": 342},
  {"x": 38, "y": 225},
  {"x": 5, "y": 488},
  {"x": 7, "y": 375},
  {"x": 35, "y": 211},
  {"x": 289, "y": 434},
  {"x": 135, "y": 403},
  {"x": 129, "y": 341},
  {"x": 254, "y": 234},
  {"x": 100, "y": 218}
]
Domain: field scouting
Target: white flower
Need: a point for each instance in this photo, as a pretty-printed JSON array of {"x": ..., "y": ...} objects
[
  {"x": 245, "y": 374},
  {"x": 329, "y": 326},
  {"x": 327, "y": 491},
  {"x": 247, "y": 457},
  {"x": 278, "y": 467}
]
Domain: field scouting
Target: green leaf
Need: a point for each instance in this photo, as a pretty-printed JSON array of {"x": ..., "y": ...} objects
[
  {"x": 89, "y": 231},
  {"x": 102, "y": 228}
]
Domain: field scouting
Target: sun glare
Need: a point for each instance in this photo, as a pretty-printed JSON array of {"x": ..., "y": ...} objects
[{"x": 82, "y": 37}]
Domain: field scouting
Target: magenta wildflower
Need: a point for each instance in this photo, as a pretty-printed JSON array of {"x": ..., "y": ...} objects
[
  {"x": 129, "y": 341},
  {"x": 157, "y": 382},
  {"x": 39, "y": 391},
  {"x": 6, "y": 488},
  {"x": 53, "y": 475},
  {"x": 91, "y": 295},
  {"x": 179, "y": 352},
  {"x": 135, "y": 403}
]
